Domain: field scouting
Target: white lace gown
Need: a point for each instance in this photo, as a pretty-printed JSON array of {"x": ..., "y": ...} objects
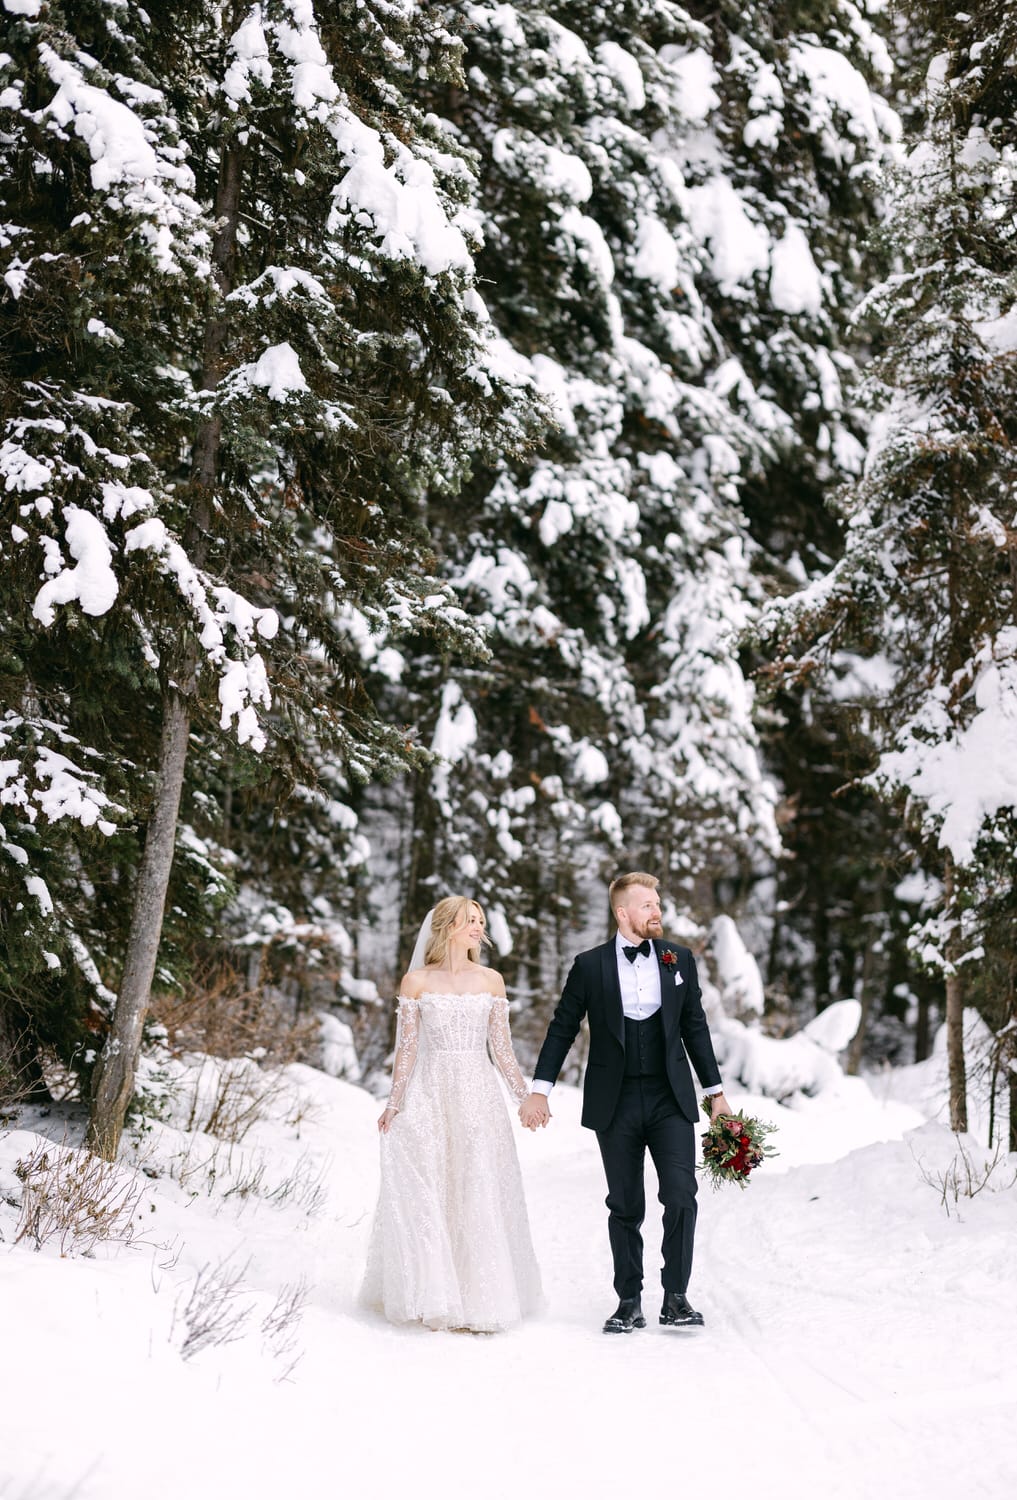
[{"x": 450, "y": 1246}]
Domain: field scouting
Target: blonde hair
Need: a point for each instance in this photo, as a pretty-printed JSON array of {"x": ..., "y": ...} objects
[
  {"x": 444, "y": 919},
  {"x": 618, "y": 887}
]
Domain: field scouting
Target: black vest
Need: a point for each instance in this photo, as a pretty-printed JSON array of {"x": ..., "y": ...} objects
[{"x": 644, "y": 1047}]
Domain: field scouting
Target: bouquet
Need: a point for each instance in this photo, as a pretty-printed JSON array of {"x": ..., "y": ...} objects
[{"x": 733, "y": 1145}]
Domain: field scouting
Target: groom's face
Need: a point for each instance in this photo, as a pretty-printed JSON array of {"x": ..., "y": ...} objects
[{"x": 639, "y": 911}]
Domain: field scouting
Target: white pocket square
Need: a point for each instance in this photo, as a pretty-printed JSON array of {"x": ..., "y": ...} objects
[{"x": 678, "y": 978}]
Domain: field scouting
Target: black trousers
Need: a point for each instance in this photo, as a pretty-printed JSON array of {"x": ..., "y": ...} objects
[{"x": 647, "y": 1117}]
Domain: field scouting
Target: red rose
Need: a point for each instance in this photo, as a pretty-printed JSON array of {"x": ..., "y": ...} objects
[{"x": 669, "y": 958}]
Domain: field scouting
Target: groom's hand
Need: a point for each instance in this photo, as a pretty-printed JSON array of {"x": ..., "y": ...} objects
[
  {"x": 535, "y": 1111},
  {"x": 719, "y": 1106}
]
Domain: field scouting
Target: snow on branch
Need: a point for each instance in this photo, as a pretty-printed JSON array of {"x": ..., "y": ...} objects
[
  {"x": 230, "y": 626},
  {"x": 400, "y": 200},
  {"x": 243, "y": 681},
  {"x": 967, "y": 778},
  {"x": 37, "y": 780},
  {"x": 43, "y": 780},
  {"x": 131, "y": 160},
  {"x": 91, "y": 581}
]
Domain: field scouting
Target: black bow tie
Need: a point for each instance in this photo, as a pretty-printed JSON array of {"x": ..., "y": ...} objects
[{"x": 643, "y": 948}]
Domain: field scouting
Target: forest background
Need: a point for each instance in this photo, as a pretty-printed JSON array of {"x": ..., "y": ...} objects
[{"x": 465, "y": 447}]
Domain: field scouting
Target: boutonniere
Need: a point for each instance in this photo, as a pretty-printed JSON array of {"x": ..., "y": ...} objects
[{"x": 670, "y": 961}]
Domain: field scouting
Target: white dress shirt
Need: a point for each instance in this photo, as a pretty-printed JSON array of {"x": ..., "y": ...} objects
[{"x": 639, "y": 981}]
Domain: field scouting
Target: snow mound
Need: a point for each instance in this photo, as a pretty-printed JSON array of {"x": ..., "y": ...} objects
[
  {"x": 785, "y": 1067},
  {"x": 738, "y": 976},
  {"x": 338, "y": 1052},
  {"x": 834, "y": 1027}
]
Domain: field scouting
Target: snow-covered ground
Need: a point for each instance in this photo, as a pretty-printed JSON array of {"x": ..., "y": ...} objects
[{"x": 859, "y": 1338}]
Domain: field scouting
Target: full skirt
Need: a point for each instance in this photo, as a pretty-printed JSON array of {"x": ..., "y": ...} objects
[{"x": 450, "y": 1245}]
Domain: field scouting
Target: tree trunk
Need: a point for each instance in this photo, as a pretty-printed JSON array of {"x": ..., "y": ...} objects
[
  {"x": 857, "y": 1047},
  {"x": 821, "y": 941},
  {"x": 954, "y": 1017},
  {"x": 114, "y": 1082},
  {"x": 993, "y": 1084},
  {"x": 1008, "y": 1049},
  {"x": 955, "y": 1053},
  {"x": 419, "y": 884},
  {"x": 922, "y": 1030},
  {"x": 419, "y": 895},
  {"x": 113, "y": 1085}
]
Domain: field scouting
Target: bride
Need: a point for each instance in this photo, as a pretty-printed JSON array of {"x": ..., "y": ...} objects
[{"x": 450, "y": 1246}]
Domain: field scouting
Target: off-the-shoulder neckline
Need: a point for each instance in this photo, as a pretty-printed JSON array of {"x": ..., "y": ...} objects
[{"x": 454, "y": 995}]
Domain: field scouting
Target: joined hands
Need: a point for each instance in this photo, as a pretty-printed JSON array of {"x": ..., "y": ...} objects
[{"x": 534, "y": 1112}]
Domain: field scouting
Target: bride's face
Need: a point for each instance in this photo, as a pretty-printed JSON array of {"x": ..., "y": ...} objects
[{"x": 469, "y": 930}]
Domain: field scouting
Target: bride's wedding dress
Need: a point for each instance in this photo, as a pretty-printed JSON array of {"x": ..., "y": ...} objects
[{"x": 450, "y": 1246}]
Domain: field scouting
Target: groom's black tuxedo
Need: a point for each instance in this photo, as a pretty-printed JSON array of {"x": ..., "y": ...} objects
[
  {"x": 639, "y": 1096},
  {"x": 592, "y": 990}
]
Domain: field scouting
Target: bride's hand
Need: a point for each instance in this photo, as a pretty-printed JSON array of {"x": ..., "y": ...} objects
[
  {"x": 534, "y": 1112},
  {"x": 385, "y": 1120}
]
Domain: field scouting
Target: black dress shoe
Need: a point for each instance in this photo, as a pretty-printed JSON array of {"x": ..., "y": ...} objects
[
  {"x": 676, "y": 1312},
  {"x": 629, "y": 1315}
]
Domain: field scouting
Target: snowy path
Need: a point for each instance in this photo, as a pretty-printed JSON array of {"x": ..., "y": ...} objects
[{"x": 858, "y": 1341}]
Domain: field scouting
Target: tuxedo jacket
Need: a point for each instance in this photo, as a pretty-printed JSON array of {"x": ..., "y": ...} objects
[{"x": 592, "y": 990}]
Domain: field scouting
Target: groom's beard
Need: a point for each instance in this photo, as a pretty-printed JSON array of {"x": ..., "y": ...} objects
[{"x": 651, "y": 928}]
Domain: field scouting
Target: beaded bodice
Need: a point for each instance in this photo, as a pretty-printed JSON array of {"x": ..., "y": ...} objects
[{"x": 453, "y": 1025}]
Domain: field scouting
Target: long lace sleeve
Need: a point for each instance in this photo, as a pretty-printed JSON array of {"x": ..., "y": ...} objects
[
  {"x": 500, "y": 1041},
  {"x": 407, "y": 1038}
]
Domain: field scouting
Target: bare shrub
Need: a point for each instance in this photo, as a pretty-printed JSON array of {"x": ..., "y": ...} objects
[
  {"x": 244, "y": 1175},
  {"x": 241, "y": 1095},
  {"x": 303, "y": 1109},
  {"x": 226, "y": 1097},
  {"x": 21, "y": 1078},
  {"x": 219, "y": 1309},
  {"x": 74, "y": 1198},
  {"x": 219, "y": 1014},
  {"x": 966, "y": 1177},
  {"x": 201, "y": 1170},
  {"x": 38, "y": 1487},
  {"x": 304, "y": 1187},
  {"x": 63, "y": 1083},
  {"x": 164, "y": 1258},
  {"x": 239, "y": 1039},
  {"x": 214, "y": 1314},
  {"x": 247, "y": 1180},
  {"x": 281, "y": 1323}
]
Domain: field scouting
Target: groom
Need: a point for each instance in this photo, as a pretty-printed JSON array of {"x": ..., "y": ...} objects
[{"x": 646, "y": 1021}]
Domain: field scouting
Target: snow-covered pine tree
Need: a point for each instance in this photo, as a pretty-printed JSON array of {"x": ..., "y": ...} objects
[
  {"x": 922, "y": 608},
  {"x": 95, "y": 200},
  {"x": 257, "y": 240},
  {"x": 809, "y": 127},
  {"x": 671, "y": 196}
]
